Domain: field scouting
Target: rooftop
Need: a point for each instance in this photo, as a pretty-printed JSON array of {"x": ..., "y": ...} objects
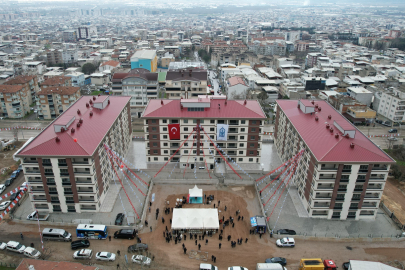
[
  {"x": 323, "y": 143},
  {"x": 10, "y": 88},
  {"x": 57, "y": 80},
  {"x": 144, "y": 54},
  {"x": 89, "y": 135},
  {"x": 110, "y": 63},
  {"x": 218, "y": 108},
  {"x": 236, "y": 80},
  {"x": 21, "y": 79},
  {"x": 61, "y": 90}
]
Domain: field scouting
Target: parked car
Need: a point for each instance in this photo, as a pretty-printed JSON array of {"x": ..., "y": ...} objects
[
  {"x": 286, "y": 231},
  {"x": 378, "y": 121},
  {"x": 83, "y": 254},
  {"x": 3, "y": 245},
  {"x": 4, "y": 205},
  {"x": 137, "y": 247},
  {"x": 387, "y": 123},
  {"x": 20, "y": 168},
  {"x": 14, "y": 175},
  {"x": 119, "y": 219},
  {"x": 24, "y": 186},
  {"x": 207, "y": 266},
  {"x": 125, "y": 234},
  {"x": 279, "y": 260},
  {"x": 285, "y": 242},
  {"x": 393, "y": 130},
  {"x": 105, "y": 256},
  {"x": 237, "y": 268},
  {"x": 79, "y": 244},
  {"x": 140, "y": 259},
  {"x": 15, "y": 246},
  {"x": 9, "y": 181},
  {"x": 32, "y": 253},
  {"x": 392, "y": 139},
  {"x": 15, "y": 195},
  {"x": 2, "y": 188}
]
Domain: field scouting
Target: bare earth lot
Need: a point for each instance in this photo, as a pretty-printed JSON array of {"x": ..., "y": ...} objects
[
  {"x": 170, "y": 255},
  {"x": 394, "y": 197}
]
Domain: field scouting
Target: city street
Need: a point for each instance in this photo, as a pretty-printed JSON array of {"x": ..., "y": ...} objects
[{"x": 23, "y": 134}]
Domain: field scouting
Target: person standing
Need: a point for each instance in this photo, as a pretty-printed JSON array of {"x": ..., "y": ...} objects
[
  {"x": 219, "y": 203},
  {"x": 206, "y": 241},
  {"x": 214, "y": 205},
  {"x": 185, "y": 250},
  {"x": 199, "y": 246},
  {"x": 225, "y": 208},
  {"x": 221, "y": 245},
  {"x": 215, "y": 259},
  {"x": 195, "y": 241},
  {"x": 22, "y": 236},
  {"x": 246, "y": 240}
]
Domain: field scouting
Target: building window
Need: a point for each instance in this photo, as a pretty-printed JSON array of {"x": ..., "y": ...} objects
[
  {"x": 242, "y": 122},
  {"x": 254, "y": 122},
  {"x": 166, "y": 151},
  {"x": 250, "y": 159},
  {"x": 153, "y": 121},
  {"x": 252, "y": 145},
  {"x": 185, "y": 136},
  {"x": 212, "y": 121},
  {"x": 166, "y": 159},
  {"x": 212, "y": 129},
  {"x": 153, "y": 128},
  {"x": 252, "y": 138},
  {"x": 155, "y": 152},
  {"x": 155, "y": 159},
  {"x": 251, "y": 153},
  {"x": 154, "y": 144},
  {"x": 240, "y": 152},
  {"x": 164, "y": 121},
  {"x": 240, "y": 159},
  {"x": 164, "y": 136},
  {"x": 221, "y": 121},
  {"x": 201, "y": 159},
  {"x": 175, "y": 121},
  {"x": 185, "y": 121},
  {"x": 253, "y": 130},
  {"x": 165, "y": 144},
  {"x": 185, "y": 151},
  {"x": 241, "y": 145},
  {"x": 165, "y": 129},
  {"x": 242, "y": 137},
  {"x": 186, "y": 129},
  {"x": 242, "y": 130}
]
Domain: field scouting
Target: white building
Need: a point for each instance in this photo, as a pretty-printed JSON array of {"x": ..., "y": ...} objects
[
  {"x": 361, "y": 94},
  {"x": 236, "y": 88},
  {"x": 392, "y": 105}
]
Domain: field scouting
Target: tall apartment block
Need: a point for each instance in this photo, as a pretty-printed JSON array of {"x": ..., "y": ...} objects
[
  {"x": 53, "y": 101},
  {"x": 235, "y": 125},
  {"x": 342, "y": 173},
  {"x": 66, "y": 165}
]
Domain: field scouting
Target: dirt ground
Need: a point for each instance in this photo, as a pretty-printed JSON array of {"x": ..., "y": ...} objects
[{"x": 394, "y": 197}]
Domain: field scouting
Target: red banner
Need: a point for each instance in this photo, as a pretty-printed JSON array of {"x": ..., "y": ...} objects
[{"x": 174, "y": 131}]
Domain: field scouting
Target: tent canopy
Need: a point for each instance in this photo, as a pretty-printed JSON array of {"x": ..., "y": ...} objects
[
  {"x": 195, "y": 192},
  {"x": 195, "y": 218}
]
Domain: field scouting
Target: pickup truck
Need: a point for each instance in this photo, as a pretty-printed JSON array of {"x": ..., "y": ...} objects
[{"x": 41, "y": 216}]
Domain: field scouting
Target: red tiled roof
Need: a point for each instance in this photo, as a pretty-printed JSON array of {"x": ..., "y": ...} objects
[
  {"x": 56, "y": 80},
  {"x": 89, "y": 135},
  {"x": 10, "y": 88},
  {"x": 322, "y": 143},
  {"x": 61, "y": 90},
  {"x": 236, "y": 80},
  {"x": 235, "y": 109},
  {"x": 110, "y": 63},
  {"x": 21, "y": 79}
]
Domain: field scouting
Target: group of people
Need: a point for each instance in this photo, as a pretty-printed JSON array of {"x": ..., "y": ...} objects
[{"x": 177, "y": 236}]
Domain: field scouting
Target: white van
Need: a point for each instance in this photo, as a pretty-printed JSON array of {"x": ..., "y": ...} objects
[
  {"x": 207, "y": 266},
  {"x": 270, "y": 266},
  {"x": 285, "y": 242},
  {"x": 56, "y": 235},
  {"x": 32, "y": 253},
  {"x": 15, "y": 246}
]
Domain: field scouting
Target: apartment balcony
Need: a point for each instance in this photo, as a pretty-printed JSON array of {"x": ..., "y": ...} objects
[
  {"x": 321, "y": 205},
  {"x": 84, "y": 182},
  {"x": 85, "y": 190},
  {"x": 34, "y": 180},
  {"x": 87, "y": 208},
  {"x": 342, "y": 189},
  {"x": 376, "y": 187},
  {"x": 380, "y": 168},
  {"x": 372, "y": 197},
  {"x": 377, "y": 178},
  {"x": 327, "y": 178},
  {"x": 324, "y": 187},
  {"x": 83, "y": 172},
  {"x": 62, "y": 164},
  {"x": 39, "y": 198},
  {"x": 329, "y": 168},
  {"x": 369, "y": 205},
  {"x": 323, "y": 197},
  {"x": 82, "y": 162},
  {"x": 27, "y": 171},
  {"x": 320, "y": 213},
  {"x": 33, "y": 161},
  {"x": 87, "y": 199},
  {"x": 37, "y": 190}
]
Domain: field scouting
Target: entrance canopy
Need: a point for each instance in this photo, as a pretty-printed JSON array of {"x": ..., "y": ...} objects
[
  {"x": 195, "y": 218},
  {"x": 195, "y": 195}
]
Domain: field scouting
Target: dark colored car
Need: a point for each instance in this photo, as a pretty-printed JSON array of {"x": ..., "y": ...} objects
[
  {"x": 137, "y": 247},
  {"x": 12, "y": 197},
  {"x": 125, "y": 234},
  {"x": 279, "y": 260},
  {"x": 14, "y": 175},
  {"x": 8, "y": 182},
  {"x": 286, "y": 231},
  {"x": 393, "y": 130},
  {"x": 80, "y": 244},
  {"x": 379, "y": 121},
  {"x": 346, "y": 265},
  {"x": 119, "y": 219}
]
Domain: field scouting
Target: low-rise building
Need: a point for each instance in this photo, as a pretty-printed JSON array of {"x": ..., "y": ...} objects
[
  {"x": 109, "y": 65},
  {"x": 361, "y": 94},
  {"x": 236, "y": 88},
  {"x": 144, "y": 59},
  {"x": 53, "y": 101},
  {"x": 186, "y": 83},
  {"x": 57, "y": 81},
  {"x": 66, "y": 165},
  {"x": 77, "y": 78},
  {"x": 342, "y": 173},
  {"x": 392, "y": 104}
]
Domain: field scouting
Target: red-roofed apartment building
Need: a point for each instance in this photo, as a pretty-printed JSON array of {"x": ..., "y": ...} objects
[
  {"x": 109, "y": 65},
  {"x": 66, "y": 165},
  {"x": 236, "y": 125},
  {"x": 342, "y": 173}
]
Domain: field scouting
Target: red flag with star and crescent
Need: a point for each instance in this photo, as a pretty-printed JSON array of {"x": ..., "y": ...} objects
[{"x": 174, "y": 131}]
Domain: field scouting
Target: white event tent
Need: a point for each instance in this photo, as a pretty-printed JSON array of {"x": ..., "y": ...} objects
[{"x": 195, "y": 219}]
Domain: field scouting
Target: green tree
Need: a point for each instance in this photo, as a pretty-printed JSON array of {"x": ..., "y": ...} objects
[
  {"x": 88, "y": 68},
  {"x": 262, "y": 97}
]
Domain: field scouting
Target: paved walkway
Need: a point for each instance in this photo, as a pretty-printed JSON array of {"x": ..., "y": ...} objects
[
  {"x": 110, "y": 198},
  {"x": 299, "y": 206}
]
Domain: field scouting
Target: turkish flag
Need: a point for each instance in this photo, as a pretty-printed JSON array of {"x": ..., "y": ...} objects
[{"x": 174, "y": 131}]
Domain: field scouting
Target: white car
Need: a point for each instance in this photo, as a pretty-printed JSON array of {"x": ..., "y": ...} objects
[
  {"x": 83, "y": 254},
  {"x": 237, "y": 268},
  {"x": 105, "y": 256},
  {"x": 2, "y": 188},
  {"x": 4, "y": 205},
  {"x": 3, "y": 245},
  {"x": 286, "y": 242},
  {"x": 24, "y": 186},
  {"x": 139, "y": 259},
  {"x": 32, "y": 253}
]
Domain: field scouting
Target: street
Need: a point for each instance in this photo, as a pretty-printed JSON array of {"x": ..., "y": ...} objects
[{"x": 23, "y": 134}]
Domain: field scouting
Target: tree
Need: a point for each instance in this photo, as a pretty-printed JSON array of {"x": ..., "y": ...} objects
[
  {"x": 88, "y": 68},
  {"x": 262, "y": 97}
]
